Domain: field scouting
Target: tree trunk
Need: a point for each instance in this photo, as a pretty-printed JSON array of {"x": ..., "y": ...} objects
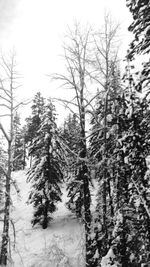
[
  {"x": 86, "y": 191},
  {"x": 45, "y": 213},
  {"x": 5, "y": 235}
]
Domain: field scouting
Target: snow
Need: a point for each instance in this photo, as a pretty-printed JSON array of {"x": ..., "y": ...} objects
[
  {"x": 61, "y": 244},
  {"x": 109, "y": 260}
]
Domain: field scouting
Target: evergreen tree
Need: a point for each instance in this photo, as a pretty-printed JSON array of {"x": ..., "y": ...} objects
[
  {"x": 18, "y": 145},
  {"x": 71, "y": 137},
  {"x": 46, "y": 172},
  {"x": 102, "y": 146},
  {"x": 140, "y": 45},
  {"x": 131, "y": 235},
  {"x": 34, "y": 120}
]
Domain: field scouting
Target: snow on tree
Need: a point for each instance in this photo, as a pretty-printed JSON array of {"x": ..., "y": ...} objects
[
  {"x": 77, "y": 58},
  {"x": 18, "y": 145},
  {"x": 71, "y": 137},
  {"x": 9, "y": 83},
  {"x": 140, "y": 45},
  {"x": 45, "y": 173},
  {"x": 131, "y": 231},
  {"x": 102, "y": 147},
  {"x": 33, "y": 122}
]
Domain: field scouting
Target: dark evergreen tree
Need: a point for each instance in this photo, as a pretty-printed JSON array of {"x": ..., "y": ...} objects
[
  {"x": 140, "y": 45},
  {"x": 33, "y": 122},
  {"x": 71, "y": 137},
  {"x": 46, "y": 172},
  {"x": 18, "y": 145},
  {"x": 102, "y": 146},
  {"x": 132, "y": 231}
]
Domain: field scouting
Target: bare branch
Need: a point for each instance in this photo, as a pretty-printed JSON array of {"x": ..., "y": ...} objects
[
  {"x": 4, "y": 132},
  {"x": 5, "y": 115},
  {"x": 4, "y": 98}
]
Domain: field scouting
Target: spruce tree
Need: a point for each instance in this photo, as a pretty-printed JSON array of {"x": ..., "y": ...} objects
[
  {"x": 71, "y": 137},
  {"x": 34, "y": 120},
  {"x": 18, "y": 145},
  {"x": 102, "y": 146},
  {"x": 140, "y": 45},
  {"x": 131, "y": 234},
  {"x": 45, "y": 174}
]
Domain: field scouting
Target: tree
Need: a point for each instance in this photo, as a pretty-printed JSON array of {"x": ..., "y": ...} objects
[
  {"x": 132, "y": 197},
  {"x": 46, "y": 172},
  {"x": 9, "y": 84},
  {"x": 71, "y": 136},
  {"x": 77, "y": 60},
  {"x": 34, "y": 120},
  {"x": 140, "y": 45},
  {"x": 3, "y": 166},
  {"x": 18, "y": 145},
  {"x": 103, "y": 142},
  {"x": 103, "y": 134}
]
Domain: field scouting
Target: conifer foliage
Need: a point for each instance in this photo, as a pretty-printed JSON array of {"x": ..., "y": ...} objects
[
  {"x": 45, "y": 173},
  {"x": 34, "y": 120},
  {"x": 71, "y": 136},
  {"x": 19, "y": 151}
]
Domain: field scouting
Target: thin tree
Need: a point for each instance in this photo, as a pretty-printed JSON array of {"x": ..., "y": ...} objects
[
  {"x": 8, "y": 85},
  {"x": 106, "y": 75},
  {"x": 77, "y": 53}
]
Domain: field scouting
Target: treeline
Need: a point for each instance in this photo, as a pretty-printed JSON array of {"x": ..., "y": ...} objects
[{"x": 105, "y": 138}]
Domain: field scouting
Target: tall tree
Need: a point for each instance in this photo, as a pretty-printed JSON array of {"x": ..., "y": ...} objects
[
  {"x": 9, "y": 84},
  {"x": 77, "y": 63},
  {"x": 106, "y": 75},
  {"x": 46, "y": 172},
  {"x": 102, "y": 150}
]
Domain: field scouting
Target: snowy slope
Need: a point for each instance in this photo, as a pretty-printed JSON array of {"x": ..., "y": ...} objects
[{"x": 61, "y": 244}]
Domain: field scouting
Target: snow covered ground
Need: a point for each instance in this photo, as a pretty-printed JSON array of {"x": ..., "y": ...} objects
[{"x": 61, "y": 244}]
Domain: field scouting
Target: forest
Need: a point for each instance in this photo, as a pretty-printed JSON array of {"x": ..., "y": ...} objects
[{"x": 101, "y": 148}]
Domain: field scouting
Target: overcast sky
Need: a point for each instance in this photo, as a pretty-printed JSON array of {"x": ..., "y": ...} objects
[{"x": 35, "y": 28}]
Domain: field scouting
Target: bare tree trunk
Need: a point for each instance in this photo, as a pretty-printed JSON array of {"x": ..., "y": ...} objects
[
  {"x": 5, "y": 235},
  {"x": 86, "y": 197},
  {"x": 8, "y": 98},
  {"x": 77, "y": 58}
]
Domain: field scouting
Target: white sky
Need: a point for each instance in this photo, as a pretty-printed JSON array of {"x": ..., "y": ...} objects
[{"x": 35, "y": 28}]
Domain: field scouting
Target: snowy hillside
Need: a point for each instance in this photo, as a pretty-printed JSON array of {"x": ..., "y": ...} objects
[{"x": 61, "y": 244}]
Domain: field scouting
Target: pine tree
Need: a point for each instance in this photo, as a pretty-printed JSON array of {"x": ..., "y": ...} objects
[
  {"x": 46, "y": 172},
  {"x": 34, "y": 120},
  {"x": 18, "y": 145},
  {"x": 71, "y": 137},
  {"x": 140, "y": 45},
  {"x": 102, "y": 146},
  {"x": 131, "y": 241}
]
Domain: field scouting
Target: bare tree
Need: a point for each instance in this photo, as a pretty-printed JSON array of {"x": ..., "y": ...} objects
[
  {"x": 77, "y": 52},
  {"x": 8, "y": 85}
]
